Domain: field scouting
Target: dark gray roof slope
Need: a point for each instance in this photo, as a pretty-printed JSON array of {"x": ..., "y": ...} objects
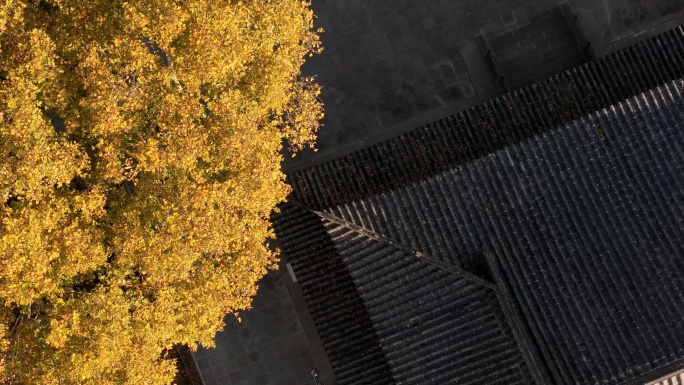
[
  {"x": 336, "y": 307},
  {"x": 435, "y": 324},
  {"x": 584, "y": 225},
  {"x": 386, "y": 315}
]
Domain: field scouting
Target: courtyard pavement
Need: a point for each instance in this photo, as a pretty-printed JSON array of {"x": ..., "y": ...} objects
[
  {"x": 389, "y": 66},
  {"x": 268, "y": 347}
]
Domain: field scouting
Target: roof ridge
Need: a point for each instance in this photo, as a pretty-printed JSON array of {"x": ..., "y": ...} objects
[
  {"x": 381, "y": 238},
  {"x": 332, "y": 297}
]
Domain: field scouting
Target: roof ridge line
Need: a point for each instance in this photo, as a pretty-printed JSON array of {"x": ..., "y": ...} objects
[{"x": 381, "y": 238}]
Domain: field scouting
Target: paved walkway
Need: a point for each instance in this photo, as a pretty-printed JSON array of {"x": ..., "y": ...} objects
[
  {"x": 536, "y": 51},
  {"x": 387, "y": 61},
  {"x": 269, "y": 347}
]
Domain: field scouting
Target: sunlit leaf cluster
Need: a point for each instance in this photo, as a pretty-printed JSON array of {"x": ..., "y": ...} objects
[{"x": 139, "y": 163}]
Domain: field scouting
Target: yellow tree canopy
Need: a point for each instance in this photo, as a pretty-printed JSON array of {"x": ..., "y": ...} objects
[{"x": 139, "y": 163}]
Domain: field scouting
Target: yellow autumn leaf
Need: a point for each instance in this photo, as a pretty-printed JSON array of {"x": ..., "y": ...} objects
[{"x": 139, "y": 164}]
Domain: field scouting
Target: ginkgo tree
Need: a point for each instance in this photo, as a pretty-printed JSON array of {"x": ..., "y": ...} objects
[{"x": 140, "y": 148}]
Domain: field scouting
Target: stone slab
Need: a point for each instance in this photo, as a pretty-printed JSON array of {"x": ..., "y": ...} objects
[{"x": 268, "y": 347}]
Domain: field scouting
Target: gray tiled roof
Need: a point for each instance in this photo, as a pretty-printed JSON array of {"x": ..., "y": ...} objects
[
  {"x": 434, "y": 324},
  {"x": 585, "y": 228},
  {"x": 342, "y": 320},
  {"x": 672, "y": 379},
  {"x": 388, "y": 315},
  {"x": 567, "y": 195}
]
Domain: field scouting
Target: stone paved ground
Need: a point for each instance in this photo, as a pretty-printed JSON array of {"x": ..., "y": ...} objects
[
  {"x": 621, "y": 19},
  {"x": 267, "y": 348},
  {"x": 536, "y": 51},
  {"x": 386, "y": 61}
]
